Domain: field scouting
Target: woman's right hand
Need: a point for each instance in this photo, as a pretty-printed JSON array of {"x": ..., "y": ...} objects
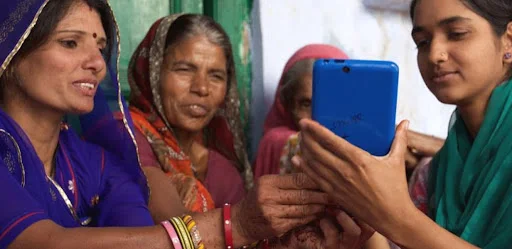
[
  {"x": 339, "y": 231},
  {"x": 276, "y": 205}
]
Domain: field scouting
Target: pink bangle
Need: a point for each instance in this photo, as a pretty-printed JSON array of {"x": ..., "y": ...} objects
[{"x": 172, "y": 234}]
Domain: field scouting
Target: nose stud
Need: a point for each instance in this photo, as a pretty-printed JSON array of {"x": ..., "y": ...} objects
[{"x": 508, "y": 56}]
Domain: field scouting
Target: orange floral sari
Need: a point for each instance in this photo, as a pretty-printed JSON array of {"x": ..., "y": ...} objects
[{"x": 147, "y": 113}]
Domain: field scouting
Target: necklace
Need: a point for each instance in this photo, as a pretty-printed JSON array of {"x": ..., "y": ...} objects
[
  {"x": 63, "y": 194},
  {"x": 54, "y": 164}
]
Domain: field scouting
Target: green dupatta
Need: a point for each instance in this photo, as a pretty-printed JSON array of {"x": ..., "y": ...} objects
[{"x": 470, "y": 185}]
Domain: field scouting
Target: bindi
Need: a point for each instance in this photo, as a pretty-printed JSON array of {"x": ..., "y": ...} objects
[{"x": 94, "y": 35}]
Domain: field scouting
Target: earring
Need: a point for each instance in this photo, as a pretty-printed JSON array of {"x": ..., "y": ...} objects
[{"x": 508, "y": 56}]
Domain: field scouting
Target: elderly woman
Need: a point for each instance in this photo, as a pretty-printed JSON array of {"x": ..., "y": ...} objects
[
  {"x": 292, "y": 102},
  {"x": 185, "y": 106},
  {"x": 62, "y": 191}
]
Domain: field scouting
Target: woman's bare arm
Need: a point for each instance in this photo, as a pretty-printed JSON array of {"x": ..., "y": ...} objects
[
  {"x": 164, "y": 202},
  {"x": 46, "y": 234},
  {"x": 418, "y": 231}
]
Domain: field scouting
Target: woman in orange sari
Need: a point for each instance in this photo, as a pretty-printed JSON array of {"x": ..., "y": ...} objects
[{"x": 185, "y": 107}]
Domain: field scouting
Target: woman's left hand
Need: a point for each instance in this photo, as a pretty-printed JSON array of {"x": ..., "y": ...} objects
[
  {"x": 420, "y": 146},
  {"x": 372, "y": 189},
  {"x": 326, "y": 235}
]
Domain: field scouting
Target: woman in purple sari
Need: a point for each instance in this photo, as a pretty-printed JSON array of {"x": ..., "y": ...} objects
[
  {"x": 48, "y": 171},
  {"x": 58, "y": 186}
]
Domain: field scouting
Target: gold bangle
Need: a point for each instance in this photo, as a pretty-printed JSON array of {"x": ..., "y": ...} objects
[
  {"x": 194, "y": 231},
  {"x": 181, "y": 229},
  {"x": 187, "y": 232}
]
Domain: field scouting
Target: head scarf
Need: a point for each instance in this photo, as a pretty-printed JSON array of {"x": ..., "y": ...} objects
[
  {"x": 470, "y": 181},
  {"x": 225, "y": 129},
  {"x": 99, "y": 127}
]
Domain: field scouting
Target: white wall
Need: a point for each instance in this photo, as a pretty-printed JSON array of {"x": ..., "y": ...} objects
[{"x": 280, "y": 27}]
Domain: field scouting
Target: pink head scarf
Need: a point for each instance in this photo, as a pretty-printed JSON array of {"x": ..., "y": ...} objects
[{"x": 279, "y": 125}]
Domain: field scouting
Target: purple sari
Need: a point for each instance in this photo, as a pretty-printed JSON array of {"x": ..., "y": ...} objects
[{"x": 98, "y": 181}]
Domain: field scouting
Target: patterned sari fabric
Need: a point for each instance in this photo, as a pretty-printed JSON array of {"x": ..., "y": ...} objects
[
  {"x": 279, "y": 124},
  {"x": 97, "y": 178},
  {"x": 290, "y": 149},
  {"x": 418, "y": 185},
  {"x": 223, "y": 134}
]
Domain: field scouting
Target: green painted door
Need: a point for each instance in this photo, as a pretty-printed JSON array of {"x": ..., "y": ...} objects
[
  {"x": 234, "y": 16},
  {"x": 187, "y": 6},
  {"x": 134, "y": 18}
]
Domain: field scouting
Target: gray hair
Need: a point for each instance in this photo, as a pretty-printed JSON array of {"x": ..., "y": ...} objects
[
  {"x": 190, "y": 25},
  {"x": 291, "y": 80}
]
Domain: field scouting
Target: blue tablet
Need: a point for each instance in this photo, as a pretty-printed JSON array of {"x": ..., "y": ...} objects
[{"x": 356, "y": 99}]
